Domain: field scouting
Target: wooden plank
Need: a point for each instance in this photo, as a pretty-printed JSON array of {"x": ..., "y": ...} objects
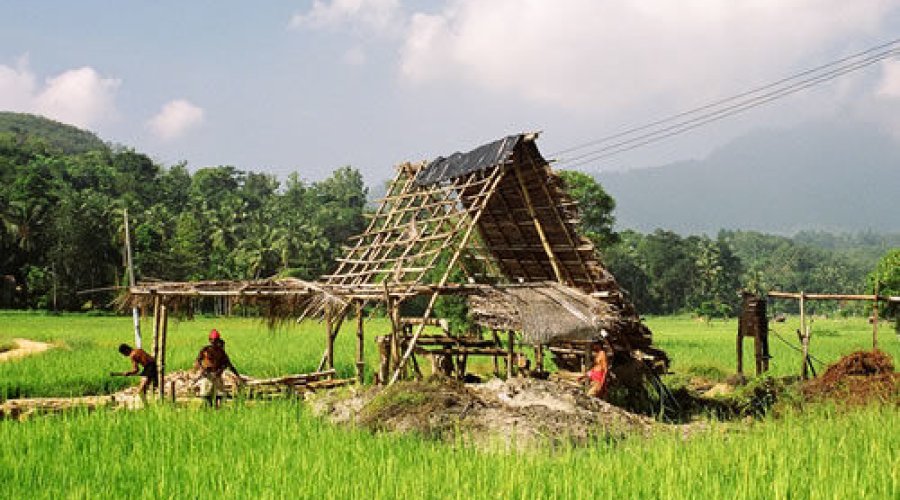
[{"x": 291, "y": 379}]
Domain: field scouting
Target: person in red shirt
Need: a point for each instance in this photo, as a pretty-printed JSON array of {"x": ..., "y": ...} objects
[
  {"x": 598, "y": 374},
  {"x": 143, "y": 363}
]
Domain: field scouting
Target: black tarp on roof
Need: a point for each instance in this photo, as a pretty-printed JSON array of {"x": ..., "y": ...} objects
[{"x": 459, "y": 164}]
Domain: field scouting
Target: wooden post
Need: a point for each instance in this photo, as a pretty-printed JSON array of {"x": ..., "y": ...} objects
[
  {"x": 740, "y": 351},
  {"x": 360, "y": 346},
  {"x": 135, "y": 315},
  {"x": 496, "y": 359},
  {"x": 875, "y": 319},
  {"x": 172, "y": 391},
  {"x": 156, "y": 326},
  {"x": 804, "y": 337},
  {"x": 539, "y": 358},
  {"x": 510, "y": 354},
  {"x": 161, "y": 362},
  {"x": 329, "y": 339}
]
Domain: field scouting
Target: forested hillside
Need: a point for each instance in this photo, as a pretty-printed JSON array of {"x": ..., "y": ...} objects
[
  {"x": 62, "y": 222},
  {"x": 61, "y": 137}
]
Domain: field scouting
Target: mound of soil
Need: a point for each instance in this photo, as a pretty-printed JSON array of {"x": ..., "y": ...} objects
[
  {"x": 515, "y": 413},
  {"x": 856, "y": 379}
]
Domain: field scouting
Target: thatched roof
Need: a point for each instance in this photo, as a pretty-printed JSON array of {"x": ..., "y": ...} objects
[{"x": 548, "y": 312}]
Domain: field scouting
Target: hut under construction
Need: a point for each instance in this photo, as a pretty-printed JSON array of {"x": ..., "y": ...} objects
[{"x": 493, "y": 228}]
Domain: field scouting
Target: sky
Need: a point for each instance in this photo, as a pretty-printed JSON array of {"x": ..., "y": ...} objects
[{"x": 310, "y": 86}]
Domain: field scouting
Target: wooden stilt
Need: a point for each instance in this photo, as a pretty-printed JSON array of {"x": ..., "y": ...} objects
[
  {"x": 161, "y": 362},
  {"x": 156, "y": 327},
  {"x": 360, "y": 346},
  {"x": 329, "y": 339},
  {"x": 495, "y": 357},
  {"x": 539, "y": 358},
  {"x": 740, "y": 352},
  {"x": 875, "y": 319},
  {"x": 510, "y": 354},
  {"x": 804, "y": 337}
]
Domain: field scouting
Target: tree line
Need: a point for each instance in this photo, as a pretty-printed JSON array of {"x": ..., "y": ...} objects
[{"x": 62, "y": 229}]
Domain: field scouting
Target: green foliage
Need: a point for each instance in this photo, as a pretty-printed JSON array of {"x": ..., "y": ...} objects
[
  {"x": 59, "y": 136},
  {"x": 595, "y": 207},
  {"x": 886, "y": 279},
  {"x": 61, "y": 226}
]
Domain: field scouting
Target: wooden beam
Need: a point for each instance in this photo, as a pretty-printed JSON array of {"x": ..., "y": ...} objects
[
  {"x": 831, "y": 296},
  {"x": 804, "y": 337}
]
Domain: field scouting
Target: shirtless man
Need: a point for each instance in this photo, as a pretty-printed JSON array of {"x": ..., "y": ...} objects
[
  {"x": 212, "y": 361},
  {"x": 143, "y": 362}
]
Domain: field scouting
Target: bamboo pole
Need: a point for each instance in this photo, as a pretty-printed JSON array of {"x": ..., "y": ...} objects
[
  {"x": 804, "y": 337},
  {"x": 157, "y": 303},
  {"x": 329, "y": 338},
  {"x": 496, "y": 359},
  {"x": 510, "y": 354},
  {"x": 875, "y": 319},
  {"x": 135, "y": 314},
  {"x": 161, "y": 367},
  {"x": 360, "y": 346}
]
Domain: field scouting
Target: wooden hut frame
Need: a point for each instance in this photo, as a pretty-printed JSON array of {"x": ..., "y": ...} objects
[{"x": 497, "y": 215}]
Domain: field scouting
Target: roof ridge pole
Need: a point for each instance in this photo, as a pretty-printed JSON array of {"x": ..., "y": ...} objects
[
  {"x": 554, "y": 261},
  {"x": 499, "y": 174}
]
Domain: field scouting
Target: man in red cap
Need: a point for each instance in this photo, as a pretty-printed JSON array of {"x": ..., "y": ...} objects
[{"x": 212, "y": 361}]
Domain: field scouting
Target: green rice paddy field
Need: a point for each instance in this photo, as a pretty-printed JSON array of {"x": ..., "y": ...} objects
[{"x": 277, "y": 450}]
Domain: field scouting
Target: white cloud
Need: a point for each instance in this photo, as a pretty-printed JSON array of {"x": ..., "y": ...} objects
[
  {"x": 354, "y": 56},
  {"x": 175, "y": 119},
  {"x": 890, "y": 80},
  {"x": 616, "y": 55},
  {"x": 377, "y": 15},
  {"x": 79, "y": 96}
]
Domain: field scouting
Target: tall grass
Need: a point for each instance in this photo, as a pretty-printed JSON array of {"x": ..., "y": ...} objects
[{"x": 278, "y": 451}]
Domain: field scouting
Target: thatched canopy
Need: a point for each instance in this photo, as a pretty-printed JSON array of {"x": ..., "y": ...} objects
[{"x": 548, "y": 312}]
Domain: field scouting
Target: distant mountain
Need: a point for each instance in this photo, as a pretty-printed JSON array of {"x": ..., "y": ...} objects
[
  {"x": 816, "y": 177},
  {"x": 67, "y": 138}
]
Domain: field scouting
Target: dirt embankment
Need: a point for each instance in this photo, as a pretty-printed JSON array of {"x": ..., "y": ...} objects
[
  {"x": 509, "y": 414},
  {"x": 857, "y": 379},
  {"x": 24, "y": 347}
]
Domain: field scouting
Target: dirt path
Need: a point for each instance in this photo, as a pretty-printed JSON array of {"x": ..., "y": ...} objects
[{"x": 24, "y": 347}]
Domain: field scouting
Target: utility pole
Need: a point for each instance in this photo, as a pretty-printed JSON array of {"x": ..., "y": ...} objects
[{"x": 130, "y": 265}]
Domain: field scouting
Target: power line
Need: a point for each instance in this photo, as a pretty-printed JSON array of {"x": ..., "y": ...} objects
[
  {"x": 687, "y": 125},
  {"x": 740, "y": 102}
]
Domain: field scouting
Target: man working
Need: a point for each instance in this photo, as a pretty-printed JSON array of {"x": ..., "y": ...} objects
[
  {"x": 140, "y": 359},
  {"x": 212, "y": 362}
]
